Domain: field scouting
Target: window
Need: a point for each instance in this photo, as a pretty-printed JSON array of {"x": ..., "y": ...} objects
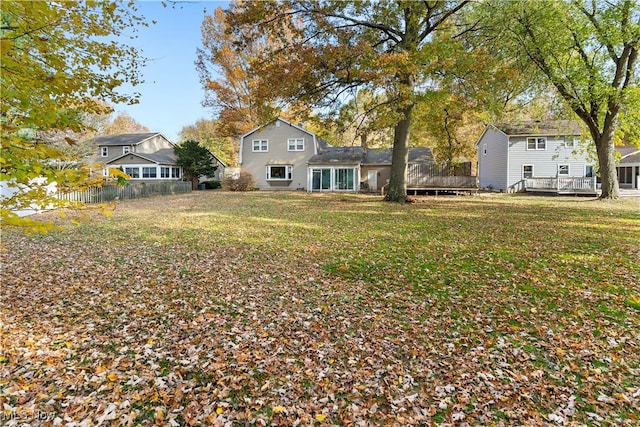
[
  {"x": 165, "y": 172},
  {"x": 527, "y": 171},
  {"x": 296, "y": 144},
  {"x": 571, "y": 142},
  {"x": 260, "y": 145},
  {"x": 588, "y": 171},
  {"x": 149, "y": 172},
  {"x": 484, "y": 150},
  {"x": 126, "y": 149},
  {"x": 133, "y": 172},
  {"x": 344, "y": 179},
  {"x": 563, "y": 170},
  {"x": 281, "y": 173},
  {"x": 175, "y": 172},
  {"x": 536, "y": 143},
  {"x": 625, "y": 174},
  {"x": 104, "y": 151}
]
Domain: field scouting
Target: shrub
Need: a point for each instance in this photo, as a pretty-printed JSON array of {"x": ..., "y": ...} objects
[
  {"x": 245, "y": 182},
  {"x": 212, "y": 185}
]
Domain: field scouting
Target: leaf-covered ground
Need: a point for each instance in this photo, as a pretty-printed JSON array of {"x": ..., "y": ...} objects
[{"x": 218, "y": 308}]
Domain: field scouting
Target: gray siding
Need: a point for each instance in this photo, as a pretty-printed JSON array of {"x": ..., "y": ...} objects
[
  {"x": 152, "y": 145},
  {"x": 278, "y": 154},
  {"x": 492, "y": 165},
  {"x": 149, "y": 146},
  {"x": 545, "y": 162}
]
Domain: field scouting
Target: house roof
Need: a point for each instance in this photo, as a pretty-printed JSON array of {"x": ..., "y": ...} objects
[
  {"x": 124, "y": 139},
  {"x": 540, "y": 127},
  {"x": 372, "y": 156},
  {"x": 166, "y": 156},
  {"x": 629, "y": 154},
  {"x": 338, "y": 155}
]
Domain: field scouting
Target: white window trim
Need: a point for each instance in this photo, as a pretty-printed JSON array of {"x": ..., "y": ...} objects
[
  {"x": 260, "y": 145},
  {"x": 593, "y": 170},
  {"x": 293, "y": 143},
  {"x": 568, "y": 169},
  {"x": 332, "y": 175},
  {"x": 537, "y": 139},
  {"x": 158, "y": 169},
  {"x": 126, "y": 149},
  {"x": 532, "y": 171},
  {"x": 149, "y": 177},
  {"x": 104, "y": 151},
  {"x": 288, "y": 173},
  {"x": 133, "y": 167},
  {"x": 484, "y": 149}
]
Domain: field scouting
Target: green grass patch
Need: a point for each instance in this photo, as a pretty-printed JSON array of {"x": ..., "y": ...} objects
[{"x": 217, "y": 307}]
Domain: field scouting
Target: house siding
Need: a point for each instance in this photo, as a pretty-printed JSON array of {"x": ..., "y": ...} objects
[
  {"x": 383, "y": 175},
  {"x": 150, "y": 145},
  {"x": 278, "y": 154},
  {"x": 545, "y": 162},
  {"x": 491, "y": 166}
]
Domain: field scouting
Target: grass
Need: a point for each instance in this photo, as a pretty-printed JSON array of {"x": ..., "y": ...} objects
[{"x": 217, "y": 307}]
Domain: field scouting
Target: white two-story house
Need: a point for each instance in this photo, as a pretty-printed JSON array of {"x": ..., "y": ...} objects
[{"x": 512, "y": 155}]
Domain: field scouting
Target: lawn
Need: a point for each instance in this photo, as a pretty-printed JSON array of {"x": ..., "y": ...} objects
[{"x": 216, "y": 308}]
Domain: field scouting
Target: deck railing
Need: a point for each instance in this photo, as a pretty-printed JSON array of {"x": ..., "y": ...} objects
[
  {"x": 108, "y": 193},
  {"x": 568, "y": 184},
  {"x": 432, "y": 176}
]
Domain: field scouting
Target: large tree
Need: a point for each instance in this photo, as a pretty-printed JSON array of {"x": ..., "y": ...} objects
[
  {"x": 588, "y": 50},
  {"x": 230, "y": 86},
  {"x": 58, "y": 62},
  {"x": 327, "y": 51}
]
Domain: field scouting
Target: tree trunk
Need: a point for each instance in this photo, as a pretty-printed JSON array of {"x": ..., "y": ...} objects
[
  {"x": 607, "y": 162},
  {"x": 194, "y": 183},
  {"x": 398, "y": 180}
]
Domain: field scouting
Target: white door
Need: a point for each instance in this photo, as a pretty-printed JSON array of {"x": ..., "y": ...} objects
[{"x": 372, "y": 180}]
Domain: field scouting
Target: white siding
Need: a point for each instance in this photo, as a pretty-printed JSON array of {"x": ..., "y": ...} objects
[
  {"x": 492, "y": 165},
  {"x": 545, "y": 162}
]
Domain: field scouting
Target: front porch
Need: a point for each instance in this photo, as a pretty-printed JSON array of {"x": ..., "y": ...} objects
[{"x": 562, "y": 185}]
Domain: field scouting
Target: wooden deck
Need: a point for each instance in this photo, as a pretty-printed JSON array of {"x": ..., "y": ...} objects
[
  {"x": 562, "y": 185},
  {"x": 421, "y": 184}
]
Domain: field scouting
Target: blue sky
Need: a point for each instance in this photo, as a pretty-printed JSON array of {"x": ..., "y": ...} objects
[{"x": 171, "y": 95}]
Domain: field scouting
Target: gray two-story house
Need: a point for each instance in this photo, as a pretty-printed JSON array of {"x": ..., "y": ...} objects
[
  {"x": 277, "y": 153},
  {"x": 142, "y": 156},
  {"x": 283, "y": 156}
]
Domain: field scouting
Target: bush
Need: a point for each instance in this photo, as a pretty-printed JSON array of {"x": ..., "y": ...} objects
[
  {"x": 244, "y": 183},
  {"x": 212, "y": 185}
]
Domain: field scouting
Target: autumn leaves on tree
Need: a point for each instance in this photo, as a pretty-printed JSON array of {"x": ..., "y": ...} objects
[
  {"x": 57, "y": 67},
  {"x": 438, "y": 70}
]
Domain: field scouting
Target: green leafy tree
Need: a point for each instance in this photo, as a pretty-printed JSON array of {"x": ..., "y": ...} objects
[
  {"x": 196, "y": 161},
  {"x": 59, "y": 62},
  {"x": 327, "y": 51},
  {"x": 587, "y": 50}
]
